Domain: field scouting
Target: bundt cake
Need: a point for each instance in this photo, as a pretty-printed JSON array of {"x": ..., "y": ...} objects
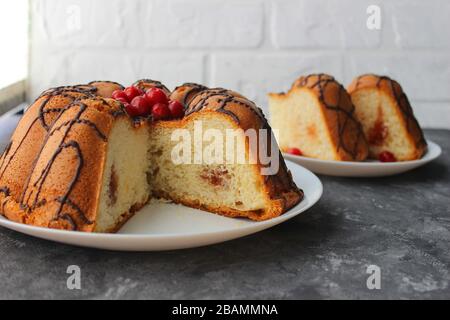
[
  {"x": 79, "y": 161},
  {"x": 316, "y": 119},
  {"x": 389, "y": 124}
]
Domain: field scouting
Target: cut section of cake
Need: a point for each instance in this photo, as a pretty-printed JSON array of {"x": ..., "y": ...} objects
[
  {"x": 231, "y": 189},
  {"x": 392, "y": 130},
  {"x": 79, "y": 161},
  {"x": 316, "y": 118}
]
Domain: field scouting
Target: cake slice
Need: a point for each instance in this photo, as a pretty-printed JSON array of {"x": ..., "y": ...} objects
[
  {"x": 316, "y": 119},
  {"x": 232, "y": 189},
  {"x": 392, "y": 130}
]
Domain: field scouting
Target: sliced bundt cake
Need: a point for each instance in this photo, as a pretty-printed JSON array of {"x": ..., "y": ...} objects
[
  {"x": 315, "y": 118},
  {"x": 385, "y": 113},
  {"x": 78, "y": 161}
]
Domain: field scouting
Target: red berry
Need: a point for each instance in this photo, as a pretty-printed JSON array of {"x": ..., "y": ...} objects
[
  {"x": 132, "y": 92},
  {"x": 176, "y": 109},
  {"x": 294, "y": 151},
  {"x": 387, "y": 156},
  {"x": 119, "y": 94},
  {"x": 160, "y": 111},
  {"x": 155, "y": 95},
  {"x": 138, "y": 107},
  {"x": 131, "y": 110}
]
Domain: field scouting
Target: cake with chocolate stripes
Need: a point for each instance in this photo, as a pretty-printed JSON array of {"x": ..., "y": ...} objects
[
  {"x": 88, "y": 157},
  {"x": 388, "y": 120},
  {"x": 316, "y": 118}
]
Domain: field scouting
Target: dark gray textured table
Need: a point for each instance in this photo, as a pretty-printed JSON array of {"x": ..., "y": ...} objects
[{"x": 401, "y": 224}]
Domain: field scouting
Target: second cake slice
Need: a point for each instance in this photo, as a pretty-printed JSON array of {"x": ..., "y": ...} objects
[
  {"x": 316, "y": 119},
  {"x": 387, "y": 117}
]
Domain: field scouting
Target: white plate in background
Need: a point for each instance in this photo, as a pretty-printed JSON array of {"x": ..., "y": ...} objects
[
  {"x": 163, "y": 226},
  {"x": 365, "y": 168}
]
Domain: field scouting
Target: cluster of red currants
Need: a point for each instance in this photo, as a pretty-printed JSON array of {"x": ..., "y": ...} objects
[{"x": 152, "y": 102}]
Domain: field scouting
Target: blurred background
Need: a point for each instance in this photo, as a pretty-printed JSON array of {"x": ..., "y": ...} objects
[{"x": 252, "y": 46}]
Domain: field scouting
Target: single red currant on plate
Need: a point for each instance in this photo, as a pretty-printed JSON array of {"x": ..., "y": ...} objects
[
  {"x": 176, "y": 109},
  {"x": 156, "y": 95},
  {"x": 294, "y": 151},
  {"x": 119, "y": 94},
  {"x": 138, "y": 107},
  {"x": 132, "y": 92},
  {"x": 387, "y": 156},
  {"x": 160, "y": 111}
]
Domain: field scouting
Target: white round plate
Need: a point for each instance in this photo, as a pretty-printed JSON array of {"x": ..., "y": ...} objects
[
  {"x": 164, "y": 226},
  {"x": 365, "y": 168}
]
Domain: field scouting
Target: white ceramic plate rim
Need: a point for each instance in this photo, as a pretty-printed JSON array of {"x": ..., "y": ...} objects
[
  {"x": 433, "y": 152},
  {"x": 244, "y": 230}
]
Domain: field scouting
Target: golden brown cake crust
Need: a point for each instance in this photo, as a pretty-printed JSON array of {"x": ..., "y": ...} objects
[
  {"x": 186, "y": 92},
  {"x": 105, "y": 88},
  {"x": 52, "y": 113},
  {"x": 338, "y": 109},
  {"x": 68, "y": 166},
  {"x": 145, "y": 84},
  {"x": 17, "y": 160},
  {"x": 393, "y": 89}
]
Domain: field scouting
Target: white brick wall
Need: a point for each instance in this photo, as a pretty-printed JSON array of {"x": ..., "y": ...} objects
[{"x": 252, "y": 46}]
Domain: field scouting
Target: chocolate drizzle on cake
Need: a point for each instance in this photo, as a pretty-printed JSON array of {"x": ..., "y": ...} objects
[
  {"x": 400, "y": 97},
  {"x": 106, "y": 81},
  {"x": 5, "y": 191},
  {"x": 321, "y": 82},
  {"x": 30, "y": 199},
  {"x": 31, "y": 194},
  {"x": 81, "y": 121},
  {"x": 187, "y": 92},
  {"x": 3, "y": 156},
  {"x": 218, "y": 99},
  {"x": 145, "y": 84},
  {"x": 72, "y": 93},
  {"x": 81, "y": 88}
]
